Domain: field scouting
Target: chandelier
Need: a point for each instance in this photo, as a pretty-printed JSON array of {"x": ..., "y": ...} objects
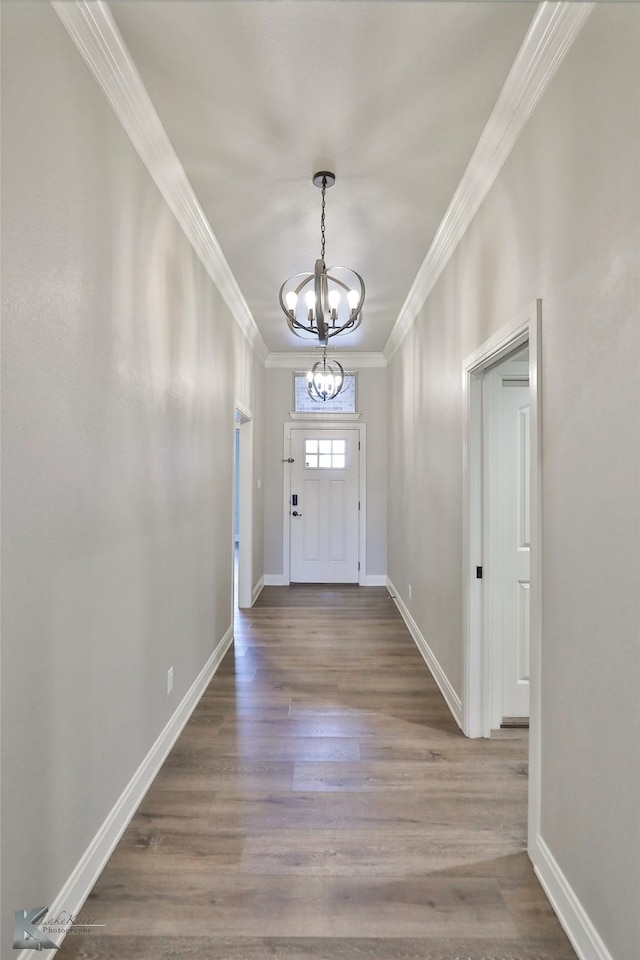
[
  {"x": 332, "y": 303},
  {"x": 326, "y": 379}
]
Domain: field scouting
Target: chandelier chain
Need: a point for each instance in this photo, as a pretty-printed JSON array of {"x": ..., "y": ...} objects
[{"x": 324, "y": 187}]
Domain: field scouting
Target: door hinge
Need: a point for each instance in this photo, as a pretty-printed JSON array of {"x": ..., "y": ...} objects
[
  {"x": 358, "y": 564},
  {"x": 478, "y": 573},
  {"x": 358, "y": 444},
  {"x": 358, "y": 504}
]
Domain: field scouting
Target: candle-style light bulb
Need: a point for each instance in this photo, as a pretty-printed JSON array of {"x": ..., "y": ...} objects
[
  {"x": 334, "y": 300},
  {"x": 310, "y": 300},
  {"x": 291, "y": 299}
]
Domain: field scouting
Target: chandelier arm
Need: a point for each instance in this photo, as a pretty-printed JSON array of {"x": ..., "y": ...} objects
[
  {"x": 310, "y": 330},
  {"x": 348, "y": 327},
  {"x": 295, "y": 325},
  {"x": 330, "y": 276},
  {"x": 303, "y": 283},
  {"x": 339, "y": 266}
]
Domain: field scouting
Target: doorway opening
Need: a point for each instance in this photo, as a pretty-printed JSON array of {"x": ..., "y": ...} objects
[
  {"x": 506, "y": 527},
  {"x": 242, "y": 550},
  {"x": 502, "y": 538}
]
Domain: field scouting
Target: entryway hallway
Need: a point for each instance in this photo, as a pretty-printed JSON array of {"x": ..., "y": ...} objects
[{"x": 321, "y": 803}]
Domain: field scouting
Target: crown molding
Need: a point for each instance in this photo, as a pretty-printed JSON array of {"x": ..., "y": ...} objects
[
  {"x": 300, "y": 361},
  {"x": 551, "y": 33},
  {"x": 95, "y": 34}
]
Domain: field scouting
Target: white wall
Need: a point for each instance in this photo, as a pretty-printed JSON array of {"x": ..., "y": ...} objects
[
  {"x": 121, "y": 367},
  {"x": 372, "y": 403},
  {"x": 560, "y": 223}
]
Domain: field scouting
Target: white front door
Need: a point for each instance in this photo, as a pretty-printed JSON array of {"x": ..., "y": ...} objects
[
  {"x": 324, "y": 506},
  {"x": 511, "y": 570}
]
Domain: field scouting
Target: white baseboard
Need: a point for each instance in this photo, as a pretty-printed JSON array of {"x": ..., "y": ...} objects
[
  {"x": 257, "y": 590},
  {"x": 451, "y": 697},
  {"x": 375, "y": 580},
  {"x": 274, "y": 580},
  {"x": 77, "y": 888},
  {"x": 577, "y": 925}
]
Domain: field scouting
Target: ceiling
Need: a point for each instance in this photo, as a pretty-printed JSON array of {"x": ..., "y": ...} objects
[{"x": 256, "y": 95}]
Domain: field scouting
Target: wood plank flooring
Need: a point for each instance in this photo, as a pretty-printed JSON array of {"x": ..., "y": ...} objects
[{"x": 321, "y": 803}]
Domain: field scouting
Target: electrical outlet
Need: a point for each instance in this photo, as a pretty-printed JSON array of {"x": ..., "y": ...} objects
[
  {"x": 410, "y": 592},
  {"x": 169, "y": 680}
]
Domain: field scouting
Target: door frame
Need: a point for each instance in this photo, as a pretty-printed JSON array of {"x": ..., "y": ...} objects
[
  {"x": 327, "y": 427},
  {"x": 243, "y": 422},
  {"x": 476, "y": 663}
]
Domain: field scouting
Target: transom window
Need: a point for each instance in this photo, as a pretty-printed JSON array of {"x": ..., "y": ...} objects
[
  {"x": 325, "y": 454},
  {"x": 345, "y": 402}
]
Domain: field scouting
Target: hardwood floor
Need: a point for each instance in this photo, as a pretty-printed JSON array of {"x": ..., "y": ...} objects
[{"x": 321, "y": 803}]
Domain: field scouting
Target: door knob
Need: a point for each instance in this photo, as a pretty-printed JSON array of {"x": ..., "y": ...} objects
[{"x": 296, "y": 514}]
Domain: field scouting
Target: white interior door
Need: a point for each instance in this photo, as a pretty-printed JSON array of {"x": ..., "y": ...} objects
[
  {"x": 324, "y": 506},
  {"x": 509, "y": 572}
]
